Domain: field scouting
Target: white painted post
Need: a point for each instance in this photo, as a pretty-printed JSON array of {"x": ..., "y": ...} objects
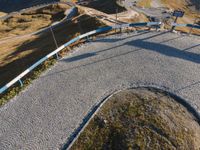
[{"x": 21, "y": 83}]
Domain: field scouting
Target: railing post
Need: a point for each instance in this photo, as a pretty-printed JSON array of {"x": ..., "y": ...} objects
[
  {"x": 173, "y": 27},
  {"x": 116, "y": 19},
  {"x": 87, "y": 39},
  {"x": 21, "y": 83},
  {"x": 57, "y": 57},
  {"x": 192, "y": 27}
]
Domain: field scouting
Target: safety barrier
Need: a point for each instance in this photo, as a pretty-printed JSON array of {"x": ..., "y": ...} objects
[
  {"x": 186, "y": 25},
  {"x": 86, "y": 35}
]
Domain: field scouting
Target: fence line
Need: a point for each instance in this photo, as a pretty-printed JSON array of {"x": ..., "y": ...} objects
[
  {"x": 186, "y": 25},
  {"x": 100, "y": 30}
]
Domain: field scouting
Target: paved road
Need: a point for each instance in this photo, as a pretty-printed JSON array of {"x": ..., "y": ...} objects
[{"x": 48, "y": 111}]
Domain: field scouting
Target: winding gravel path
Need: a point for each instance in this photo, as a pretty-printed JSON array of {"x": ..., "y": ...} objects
[{"x": 47, "y": 112}]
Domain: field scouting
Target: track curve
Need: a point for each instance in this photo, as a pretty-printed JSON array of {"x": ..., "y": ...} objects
[{"x": 47, "y": 112}]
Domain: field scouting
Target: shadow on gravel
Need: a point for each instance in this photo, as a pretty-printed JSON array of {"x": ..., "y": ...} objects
[
  {"x": 106, "y": 6},
  {"x": 191, "y": 47},
  {"x": 140, "y": 44},
  {"x": 112, "y": 40},
  {"x": 79, "y": 57},
  {"x": 167, "y": 50},
  {"x": 187, "y": 86}
]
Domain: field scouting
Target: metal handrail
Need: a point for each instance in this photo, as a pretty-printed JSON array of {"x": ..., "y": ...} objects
[
  {"x": 86, "y": 35},
  {"x": 186, "y": 25}
]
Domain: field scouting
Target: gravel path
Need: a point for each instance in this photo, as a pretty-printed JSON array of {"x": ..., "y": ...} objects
[
  {"x": 48, "y": 111},
  {"x": 156, "y": 4},
  {"x": 155, "y": 10}
]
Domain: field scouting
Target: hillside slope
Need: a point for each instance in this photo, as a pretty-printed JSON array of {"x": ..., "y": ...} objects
[
  {"x": 15, "y": 5},
  {"x": 31, "y": 21},
  {"x": 2, "y": 14}
]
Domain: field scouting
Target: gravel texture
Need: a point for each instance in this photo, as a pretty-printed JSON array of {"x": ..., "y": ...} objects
[{"x": 47, "y": 112}]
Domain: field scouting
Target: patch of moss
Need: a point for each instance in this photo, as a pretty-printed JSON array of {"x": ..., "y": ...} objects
[{"x": 140, "y": 119}]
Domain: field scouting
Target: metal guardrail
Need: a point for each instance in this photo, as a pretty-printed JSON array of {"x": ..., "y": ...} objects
[
  {"x": 193, "y": 26},
  {"x": 86, "y": 35},
  {"x": 186, "y": 25}
]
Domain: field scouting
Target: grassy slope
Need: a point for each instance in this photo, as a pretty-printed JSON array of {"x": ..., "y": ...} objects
[
  {"x": 9, "y": 6},
  {"x": 140, "y": 120},
  {"x": 2, "y": 14},
  {"x": 32, "y": 20},
  {"x": 144, "y": 3}
]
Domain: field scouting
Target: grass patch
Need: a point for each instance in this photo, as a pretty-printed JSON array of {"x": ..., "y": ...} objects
[
  {"x": 2, "y": 14},
  {"x": 32, "y": 20},
  {"x": 144, "y": 3},
  {"x": 140, "y": 119}
]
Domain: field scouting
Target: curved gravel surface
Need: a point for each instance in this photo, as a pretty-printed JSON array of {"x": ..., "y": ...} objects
[{"x": 47, "y": 112}]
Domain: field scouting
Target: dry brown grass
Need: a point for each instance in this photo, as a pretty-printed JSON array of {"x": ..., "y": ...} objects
[
  {"x": 2, "y": 14},
  {"x": 144, "y": 3},
  {"x": 189, "y": 16},
  {"x": 18, "y": 55},
  {"x": 185, "y": 20},
  {"x": 175, "y": 4},
  {"x": 140, "y": 119},
  {"x": 32, "y": 20}
]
